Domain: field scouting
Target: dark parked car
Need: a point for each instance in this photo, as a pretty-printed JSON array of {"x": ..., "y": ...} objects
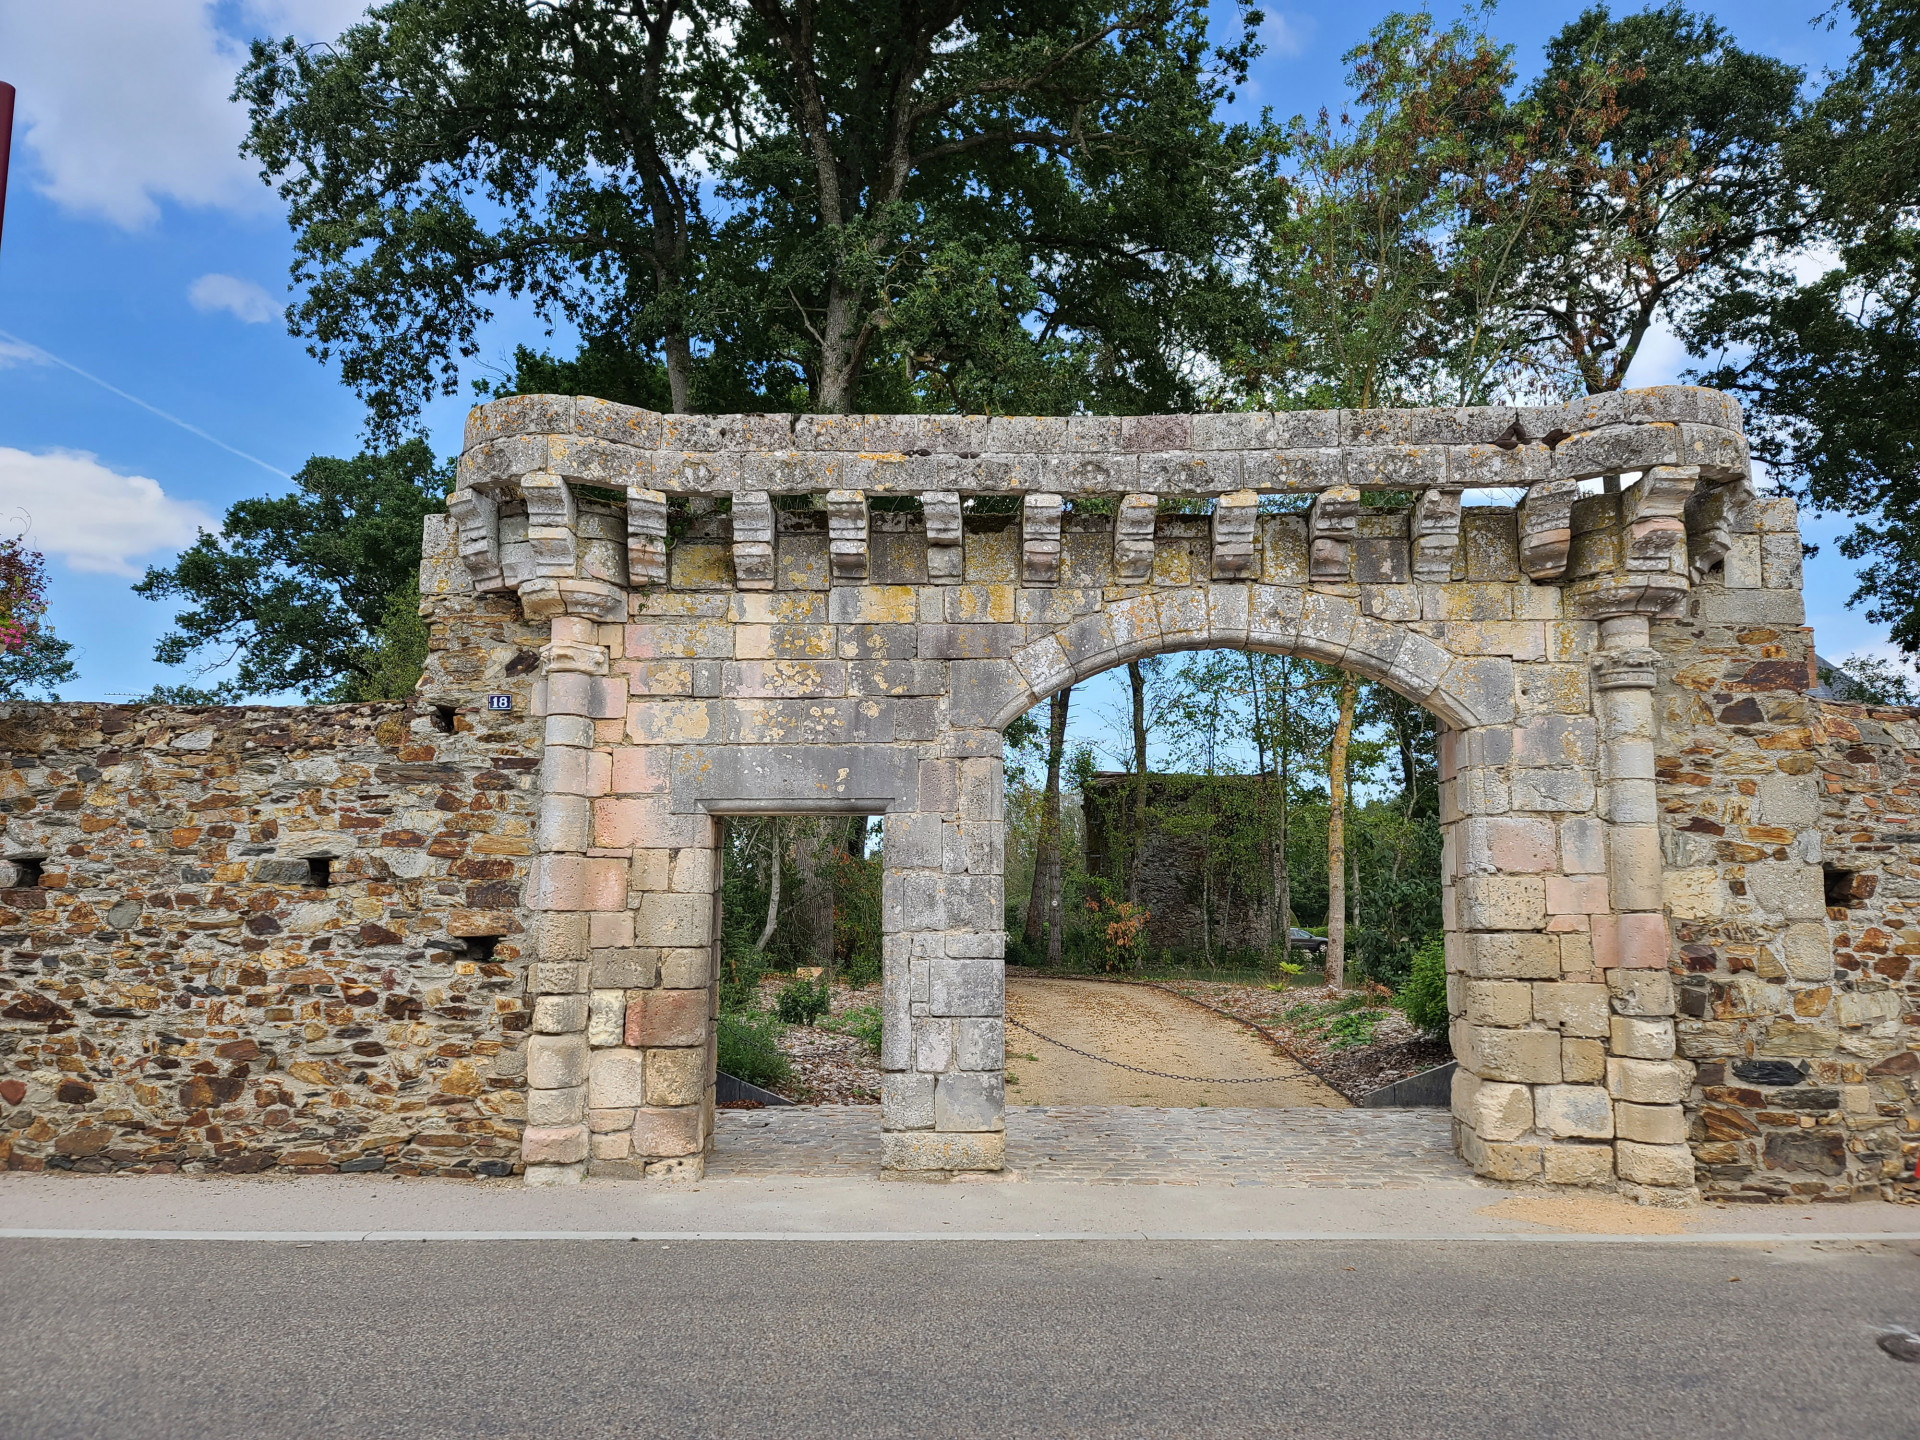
[{"x": 1302, "y": 940}]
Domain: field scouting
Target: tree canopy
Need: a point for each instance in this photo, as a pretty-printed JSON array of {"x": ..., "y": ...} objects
[
  {"x": 307, "y": 591},
  {"x": 1828, "y": 363},
  {"x": 818, "y": 204},
  {"x": 851, "y": 204}
]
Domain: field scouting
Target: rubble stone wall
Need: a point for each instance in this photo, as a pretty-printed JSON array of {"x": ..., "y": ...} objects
[
  {"x": 237, "y": 939},
  {"x": 1791, "y": 832}
]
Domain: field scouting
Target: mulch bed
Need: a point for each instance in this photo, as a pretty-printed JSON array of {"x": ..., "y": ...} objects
[
  {"x": 1361, "y": 1071},
  {"x": 828, "y": 1068}
]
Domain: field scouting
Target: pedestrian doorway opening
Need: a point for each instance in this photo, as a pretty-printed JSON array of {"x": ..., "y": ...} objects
[{"x": 799, "y": 938}]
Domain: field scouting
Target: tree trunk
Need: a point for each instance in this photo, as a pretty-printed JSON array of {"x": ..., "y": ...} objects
[
  {"x": 1337, "y": 835},
  {"x": 1353, "y": 890},
  {"x": 774, "y": 859},
  {"x": 843, "y": 348},
  {"x": 1266, "y": 786},
  {"x": 679, "y": 370},
  {"x": 819, "y": 843},
  {"x": 1282, "y": 877},
  {"x": 1047, "y": 842},
  {"x": 1054, "y": 926},
  {"x": 1137, "y": 679}
]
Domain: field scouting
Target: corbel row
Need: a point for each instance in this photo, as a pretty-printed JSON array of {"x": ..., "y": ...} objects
[
  {"x": 532, "y": 555},
  {"x": 1234, "y": 517}
]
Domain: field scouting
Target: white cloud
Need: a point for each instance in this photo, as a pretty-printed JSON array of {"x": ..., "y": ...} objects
[
  {"x": 18, "y": 352},
  {"x": 242, "y": 299},
  {"x": 1286, "y": 35},
  {"x": 125, "y": 103},
  {"x": 308, "y": 19},
  {"x": 95, "y": 519}
]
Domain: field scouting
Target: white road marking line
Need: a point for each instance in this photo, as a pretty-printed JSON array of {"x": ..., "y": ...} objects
[{"x": 1483, "y": 1237}]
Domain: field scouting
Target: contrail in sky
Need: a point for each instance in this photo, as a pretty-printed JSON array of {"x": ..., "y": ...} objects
[{"x": 43, "y": 353}]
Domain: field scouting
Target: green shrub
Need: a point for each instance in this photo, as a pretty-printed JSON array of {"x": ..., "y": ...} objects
[
  {"x": 1423, "y": 999},
  {"x": 802, "y": 1002},
  {"x": 749, "y": 1049},
  {"x": 740, "y": 985},
  {"x": 862, "y": 1022}
]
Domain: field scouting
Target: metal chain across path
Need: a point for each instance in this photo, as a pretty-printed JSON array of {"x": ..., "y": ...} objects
[{"x": 1142, "y": 1070}]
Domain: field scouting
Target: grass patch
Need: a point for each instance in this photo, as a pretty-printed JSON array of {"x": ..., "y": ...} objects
[
  {"x": 861, "y": 1021},
  {"x": 1342, "y": 1024}
]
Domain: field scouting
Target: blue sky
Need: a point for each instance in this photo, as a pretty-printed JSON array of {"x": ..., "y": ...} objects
[{"x": 140, "y": 248}]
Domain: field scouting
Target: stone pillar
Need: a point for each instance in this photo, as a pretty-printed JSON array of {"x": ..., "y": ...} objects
[
  {"x": 1646, "y": 1081},
  {"x": 943, "y": 1094},
  {"x": 1525, "y": 863},
  {"x": 654, "y": 960},
  {"x": 1493, "y": 903},
  {"x": 619, "y": 1063}
]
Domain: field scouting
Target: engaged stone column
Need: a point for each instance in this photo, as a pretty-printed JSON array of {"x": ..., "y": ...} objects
[
  {"x": 1631, "y": 943},
  {"x": 567, "y": 883},
  {"x": 943, "y": 1095}
]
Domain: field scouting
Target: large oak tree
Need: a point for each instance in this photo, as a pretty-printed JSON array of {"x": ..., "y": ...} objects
[{"x": 828, "y": 203}]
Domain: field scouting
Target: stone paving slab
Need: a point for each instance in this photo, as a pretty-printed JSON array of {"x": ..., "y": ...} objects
[{"x": 1307, "y": 1148}]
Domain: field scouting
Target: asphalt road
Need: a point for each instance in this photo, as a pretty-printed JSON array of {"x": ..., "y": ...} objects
[{"x": 131, "y": 1339}]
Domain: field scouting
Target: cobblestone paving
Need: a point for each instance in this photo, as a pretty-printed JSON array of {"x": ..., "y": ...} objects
[{"x": 1125, "y": 1145}]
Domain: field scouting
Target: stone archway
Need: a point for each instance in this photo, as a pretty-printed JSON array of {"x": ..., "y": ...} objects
[{"x": 714, "y": 651}]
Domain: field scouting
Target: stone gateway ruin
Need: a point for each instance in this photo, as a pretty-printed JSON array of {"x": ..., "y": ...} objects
[{"x": 442, "y": 937}]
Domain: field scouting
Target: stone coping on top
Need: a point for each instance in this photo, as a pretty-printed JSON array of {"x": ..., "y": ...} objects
[{"x": 597, "y": 442}]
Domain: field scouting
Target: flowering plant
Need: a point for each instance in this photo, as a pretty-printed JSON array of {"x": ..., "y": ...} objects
[
  {"x": 23, "y": 593},
  {"x": 32, "y": 657},
  {"x": 1116, "y": 927}
]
